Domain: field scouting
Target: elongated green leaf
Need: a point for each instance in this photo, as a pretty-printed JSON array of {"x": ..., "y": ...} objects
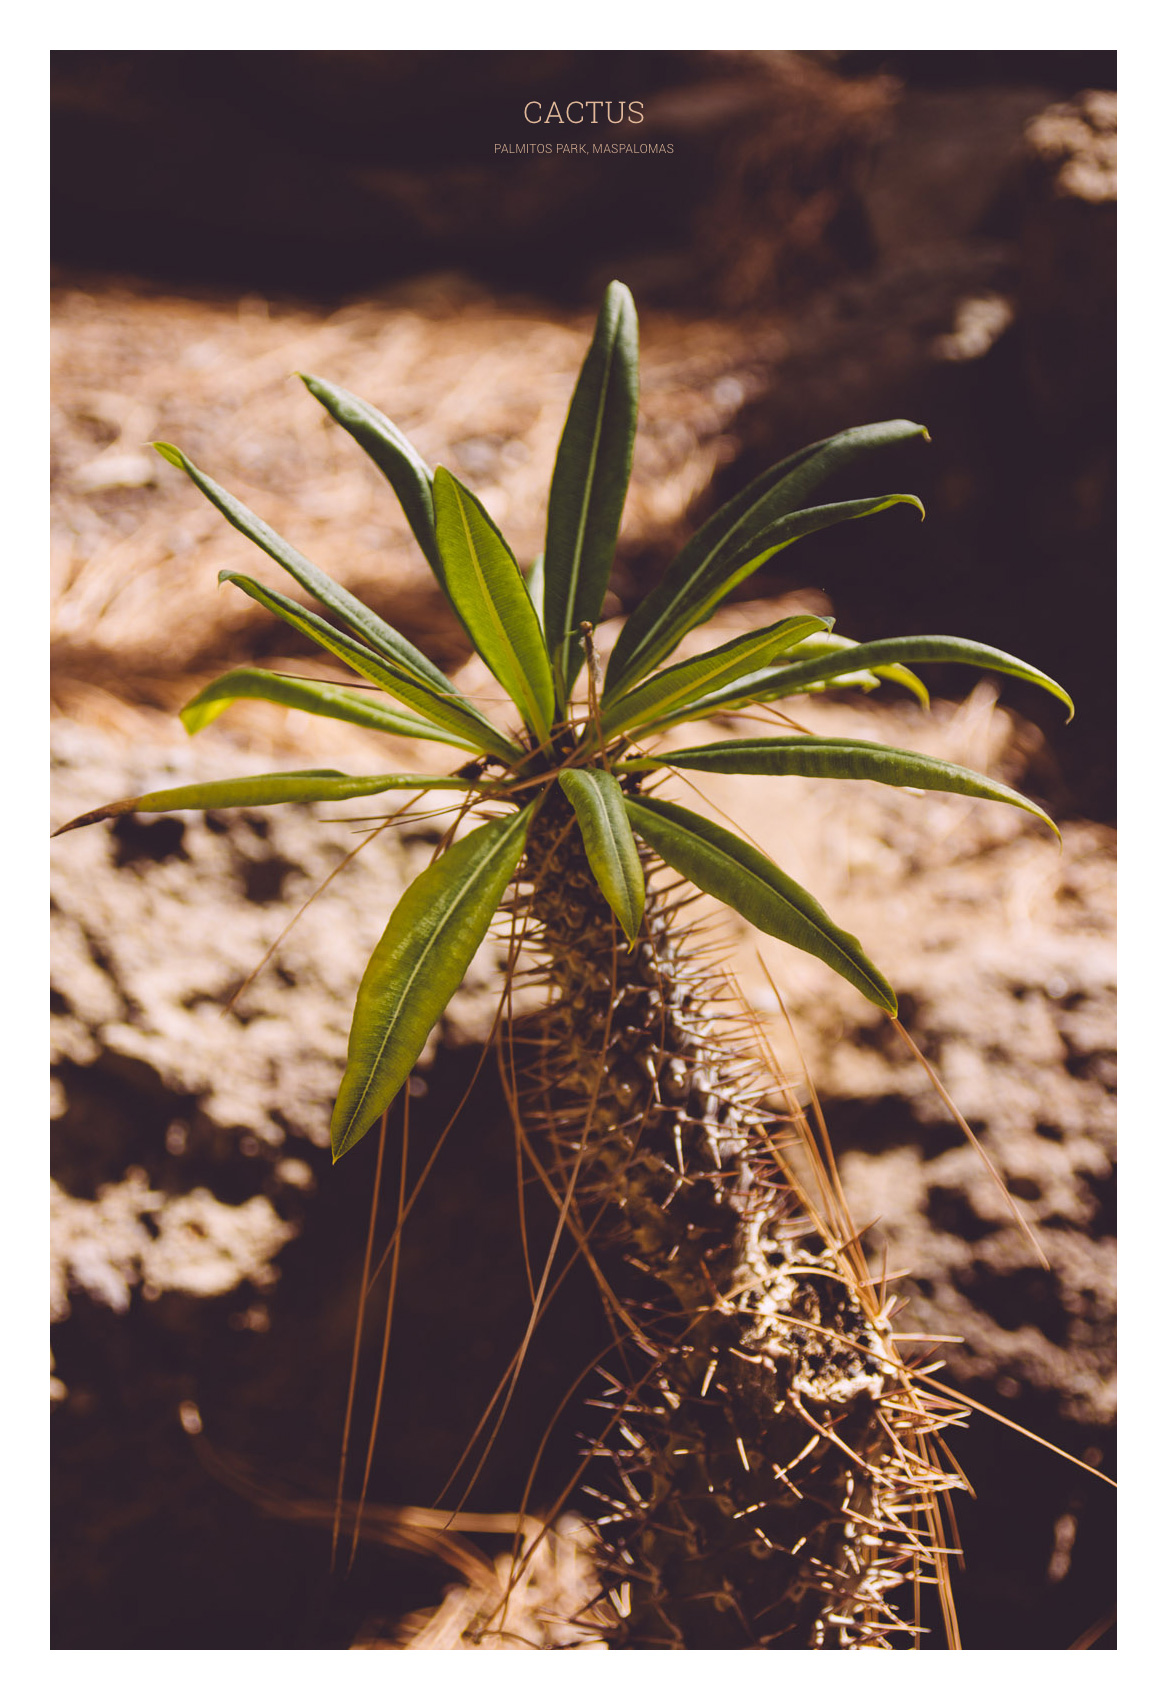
[
  {"x": 781, "y": 491},
  {"x": 417, "y": 967},
  {"x": 380, "y": 637},
  {"x": 722, "y": 864},
  {"x": 316, "y": 697},
  {"x": 838, "y": 758},
  {"x": 897, "y": 675},
  {"x": 488, "y": 591},
  {"x": 611, "y": 849},
  {"x": 452, "y": 711},
  {"x": 309, "y": 785},
  {"x": 827, "y": 643},
  {"x": 536, "y": 586},
  {"x": 393, "y": 454},
  {"x": 666, "y": 693},
  {"x": 773, "y": 683},
  {"x": 677, "y": 605},
  {"x": 590, "y": 481}
]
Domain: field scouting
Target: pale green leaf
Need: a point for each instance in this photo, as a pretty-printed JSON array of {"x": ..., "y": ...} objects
[
  {"x": 827, "y": 643},
  {"x": 536, "y": 587},
  {"x": 678, "y": 604},
  {"x": 773, "y": 683},
  {"x": 309, "y": 785},
  {"x": 446, "y": 708},
  {"x": 724, "y": 865},
  {"x": 315, "y": 696},
  {"x": 590, "y": 481},
  {"x": 608, "y": 842},
  {"x": 420, "y": 962},
  {"x": 666, "y": 693},
  {"x": 897, "y": 675},
  {"x": 838, "y": 758},
  {"x": 492, "y": 600}
]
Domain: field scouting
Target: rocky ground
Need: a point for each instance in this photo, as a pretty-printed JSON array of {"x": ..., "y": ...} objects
[
  {"x": 197, "y": 1221},
  {"x": 206, "y": 1255}
]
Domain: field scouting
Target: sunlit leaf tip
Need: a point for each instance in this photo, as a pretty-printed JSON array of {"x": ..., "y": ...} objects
[
  {"x": 492, "y": 600},
  {"x": 590, "y": 482}
]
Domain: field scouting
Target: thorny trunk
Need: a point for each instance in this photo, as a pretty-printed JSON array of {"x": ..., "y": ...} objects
[{"x": 758, "y": 1492}]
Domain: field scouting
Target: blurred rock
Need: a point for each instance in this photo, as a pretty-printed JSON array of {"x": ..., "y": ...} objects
[
  {"x": 990, "y": 317},
  {"x": 165, "y": 1046},
  {"x": 174, "y": 1118}
]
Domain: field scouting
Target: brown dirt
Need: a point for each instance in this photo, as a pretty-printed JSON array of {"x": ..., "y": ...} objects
[{"x": 1002, "y": 950}]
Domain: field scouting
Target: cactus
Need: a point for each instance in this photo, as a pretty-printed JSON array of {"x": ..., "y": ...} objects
[{"x": 762, "y": 1466}]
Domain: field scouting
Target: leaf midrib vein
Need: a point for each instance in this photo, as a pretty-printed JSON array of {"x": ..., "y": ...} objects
[{"x": 476, "y": 871}]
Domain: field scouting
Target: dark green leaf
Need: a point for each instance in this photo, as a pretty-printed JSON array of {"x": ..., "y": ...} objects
[
  {"x": 683, "y": 600},
  {"x": 838, "y": 758},
  {"x": 611, "y": 849},
  {"x": 394, "y": 454},
  {"x": 487, "y": 589},
  {"x": 314, "y": 696},
  {"x": 417, "y": 967},
  {"x": 591, "y": 480},
  {"x": 309, "y": 785},
  {"x": 773, "y": 683},
  {"x": 781, "y": 491},
  {"x": 449, "y": 709},
  {"x": 380, "y": 637},
  {"x": 664, "y": 695},
  {"x": 722, "y": 864}
]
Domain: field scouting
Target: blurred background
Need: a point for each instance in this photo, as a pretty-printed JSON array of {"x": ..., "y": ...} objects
[{"x": 831, "y": 238}]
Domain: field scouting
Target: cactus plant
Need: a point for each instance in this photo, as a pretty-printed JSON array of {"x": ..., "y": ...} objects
[{"x": 766, "y": 1475}]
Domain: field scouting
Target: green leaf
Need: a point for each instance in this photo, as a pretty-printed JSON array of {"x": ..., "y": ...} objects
[
  {"x": 611, "y": 849},
  {"x": 590, "y": 481},
  {"x": 666, "y": 694},
  {"x": 446, "y": 708},
  {"x": 309, "y": 785},
  {"x": 720, "y": 863},
  {"x": 781, "y": 491},
  {"x": 828, "y": 643},
  {"x": 536, "y": 585},
  {"x": 381, "y": 637},
  {"x": 838, "y": 758},
  {"x": 487, "y": 589},
  {"x": 773, "y": 683},
  {"x": 417, "y": 967},
  {"x": 393, "y": 454},
  {"x": 683, "y": 600},
  {"x": 316, "y": 696},
  {"x": 896, "y": 675}
]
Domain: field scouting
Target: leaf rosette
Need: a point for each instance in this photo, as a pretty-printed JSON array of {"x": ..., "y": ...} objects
[{"x": 596, "y": 747}]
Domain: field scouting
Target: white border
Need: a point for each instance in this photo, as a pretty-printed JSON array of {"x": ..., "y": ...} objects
[{"x": 622, "y": 24}]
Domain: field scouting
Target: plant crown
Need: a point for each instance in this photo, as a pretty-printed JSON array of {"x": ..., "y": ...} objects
[{"x": 534, "y": 634}]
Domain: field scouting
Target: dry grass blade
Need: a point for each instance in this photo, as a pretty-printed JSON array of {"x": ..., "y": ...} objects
[
  {"x": 1014, "y": 1209},
  {"x": 358, "y": 1331},
  {"x": 389, "y": 1304}
]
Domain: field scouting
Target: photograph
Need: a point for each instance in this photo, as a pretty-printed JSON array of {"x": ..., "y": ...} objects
[{"x": 583, "y": 635}]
